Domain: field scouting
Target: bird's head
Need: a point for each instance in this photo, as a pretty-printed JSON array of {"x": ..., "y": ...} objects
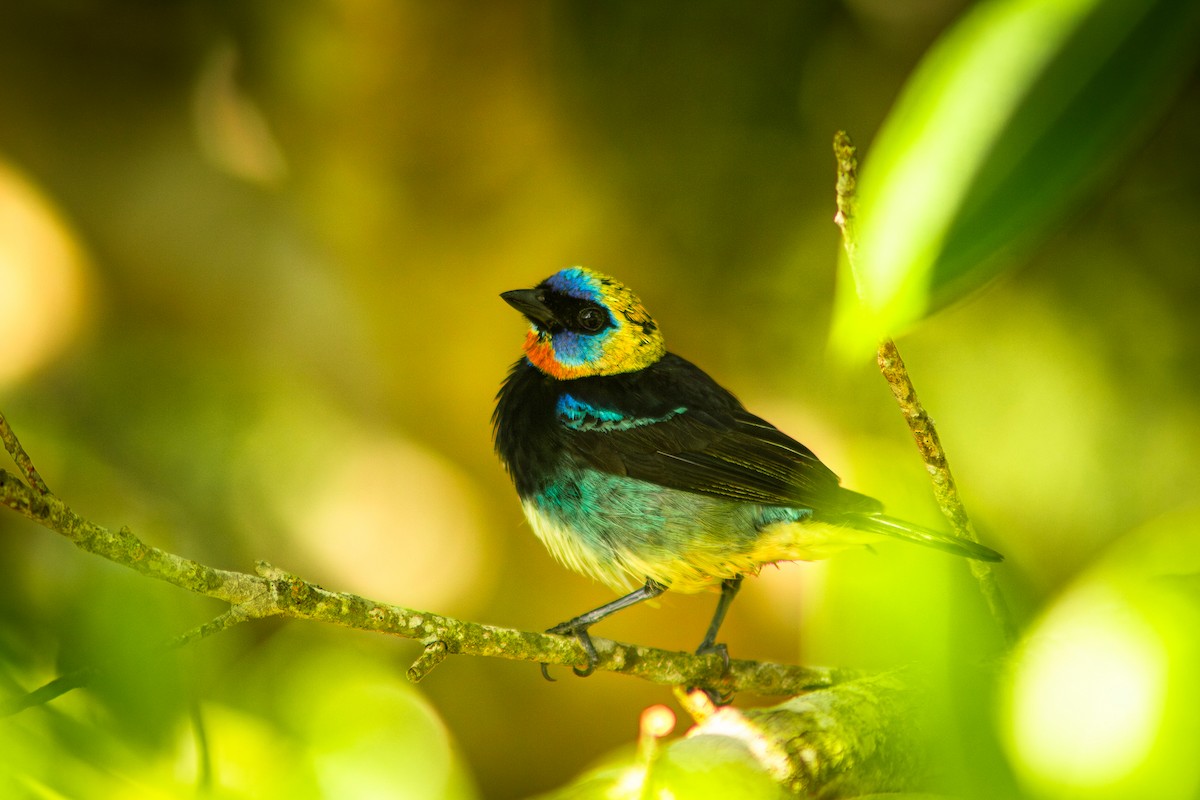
[{"x": 584, "y": 323}]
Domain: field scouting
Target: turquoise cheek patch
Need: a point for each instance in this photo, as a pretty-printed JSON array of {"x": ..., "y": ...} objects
[{"x": 573, "y": 350}]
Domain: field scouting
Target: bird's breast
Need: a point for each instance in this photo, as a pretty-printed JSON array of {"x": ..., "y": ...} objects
[{"x": 620, "y": 531}]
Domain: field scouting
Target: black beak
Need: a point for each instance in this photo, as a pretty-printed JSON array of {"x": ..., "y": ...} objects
[{"x": 529, "y": 303}]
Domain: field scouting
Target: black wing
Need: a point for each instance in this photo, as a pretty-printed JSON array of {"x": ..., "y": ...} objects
[{"x": 672, "y": 425}]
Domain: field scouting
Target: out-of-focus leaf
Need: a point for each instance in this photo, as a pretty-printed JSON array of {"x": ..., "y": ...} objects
[
  {"x": 367, "y": 732},
  {"x": 698, "y": 767},
  {"x": 346, "y": 726},
  {"x": 1102, "y": 697},
  {"x": 1010, "y": 117},
  {"x": 711, "y": 766}
]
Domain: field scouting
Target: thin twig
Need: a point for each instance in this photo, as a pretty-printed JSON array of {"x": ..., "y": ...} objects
[
  {"x": 14, "y": 448},
  {"x": 847, "y": 197},
  {"x": 434, "y": 654},
  {"x": 944, "y": 489},
  {"x": 894, "y": 372},
  {"x": 204, "y": 756},
  {"x": 83, "y": 676},
  {"x": 48, "y": 692},
  {"x": 222, "y": 622}
]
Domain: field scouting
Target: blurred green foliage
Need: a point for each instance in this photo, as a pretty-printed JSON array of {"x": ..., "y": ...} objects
[
  {"x": 701, "y": 768},
  {"x": 1009, "y": 120},
  {"x": 274, "y": 234}
]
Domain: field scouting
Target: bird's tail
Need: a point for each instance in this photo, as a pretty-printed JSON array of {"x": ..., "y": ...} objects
[{"x": 910, "y": 532}]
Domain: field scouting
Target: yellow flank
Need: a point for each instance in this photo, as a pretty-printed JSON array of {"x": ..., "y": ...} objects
[
  {"x": 806, "y": 541},
  {"x": 698, "y": 568}
]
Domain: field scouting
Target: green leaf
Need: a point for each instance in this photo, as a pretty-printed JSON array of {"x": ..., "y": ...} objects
[
  {"x": 1102, "y": 691},
  {"x": 1011, "y": 117},
  {"x": 696, "y": 767},
  {"x": 711, "y": 766}
]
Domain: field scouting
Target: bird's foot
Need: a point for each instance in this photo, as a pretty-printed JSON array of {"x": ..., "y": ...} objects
[
  {"x": 720, "y": 648},
  {"x": 580, "y": 632},
  {"x": 578, "y": 626},
  {"x": 718, "y": 698}
]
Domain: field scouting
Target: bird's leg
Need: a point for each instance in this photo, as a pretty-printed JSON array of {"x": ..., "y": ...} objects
[
  {"x": 578, "y": 626},
  {"x": 729, "y": 590}
]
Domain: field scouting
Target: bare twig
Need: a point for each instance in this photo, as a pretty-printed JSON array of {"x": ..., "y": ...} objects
[
  {"x": 14, "y": 448},
  {"x": 48, "y": 692},
  {"x": 83, "y": 676},
  {"x": 847, "y": 196},
  {"x": 896, "y": 375},
  {"x": 434, "y": 654},
  {"x": 930, "y": 446}
]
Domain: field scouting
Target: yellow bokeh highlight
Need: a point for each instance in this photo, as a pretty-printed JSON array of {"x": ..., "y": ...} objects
[
  {"x": 365, "y": 510},
  {"x": 1089, "y": 692},
  {"x": 395, "y": 520},
  {"x": 232, "y": 130},
  {"x": 1101, "y": 697},
  {"x": 42, "y": 275}
]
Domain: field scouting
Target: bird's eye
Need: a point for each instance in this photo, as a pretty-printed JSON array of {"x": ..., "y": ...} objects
[{"x": 591, "y": 319}]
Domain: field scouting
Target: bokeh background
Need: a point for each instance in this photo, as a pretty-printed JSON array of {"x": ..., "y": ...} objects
[{"x": 249, "y": 264}]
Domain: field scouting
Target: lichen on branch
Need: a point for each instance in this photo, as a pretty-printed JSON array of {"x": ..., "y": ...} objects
[{"x": 270, "y": 592}]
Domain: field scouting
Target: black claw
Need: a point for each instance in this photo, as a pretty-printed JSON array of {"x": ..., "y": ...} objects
[
  {"x": 578, "y": 626},
  {"x": 589, "y": 648},
  {"x": 719, "y": 698},
  {"x": 720, "y": 648},
  {"x": 581, "y": 634},
  {"x": 546, "y": 672}
]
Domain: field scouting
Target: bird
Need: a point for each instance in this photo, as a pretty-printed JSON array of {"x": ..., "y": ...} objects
[{"x": 636, "y": 468}]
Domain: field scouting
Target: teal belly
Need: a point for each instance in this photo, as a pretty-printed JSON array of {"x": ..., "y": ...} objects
[{"x": 622, "y": 531}]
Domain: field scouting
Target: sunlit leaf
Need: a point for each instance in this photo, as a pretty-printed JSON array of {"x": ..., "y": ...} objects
[
  {"x": 367, "y": 731},
  {"x": 714, "y": 767},
  {"x": 1103, "y": 692},
  {"x": 698, "y": 767},
  {"x": 1011, "y": 117}
]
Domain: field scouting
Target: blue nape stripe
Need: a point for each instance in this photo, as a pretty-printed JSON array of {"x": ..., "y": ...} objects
[
  {"x": 573, "y": 409},
  {"x": 583, "y": 416}
]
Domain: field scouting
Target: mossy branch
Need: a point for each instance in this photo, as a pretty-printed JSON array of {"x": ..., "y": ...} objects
[
  {"x": 925, "y": 434},
  {"x": 847, "y": 731},
  {"x": 855, "y": 739},
  {"x": 270, "y": 592}
]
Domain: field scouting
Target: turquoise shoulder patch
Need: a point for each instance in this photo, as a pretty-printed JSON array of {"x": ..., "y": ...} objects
[{"x": 582, "y": 416}]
